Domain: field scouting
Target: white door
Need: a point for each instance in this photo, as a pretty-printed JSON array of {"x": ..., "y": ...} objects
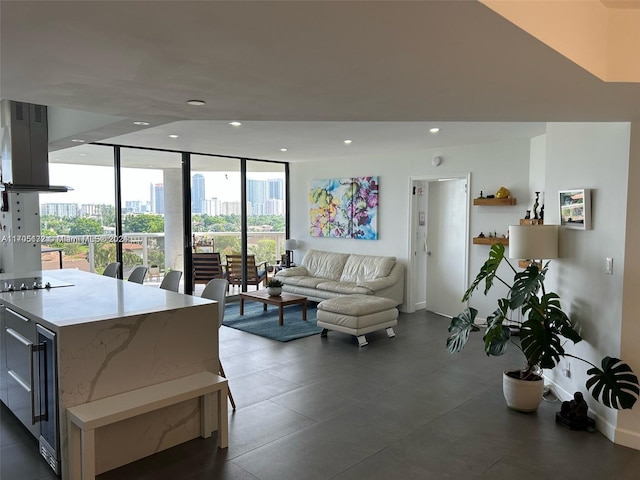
[{"x": 446, "y": 241}]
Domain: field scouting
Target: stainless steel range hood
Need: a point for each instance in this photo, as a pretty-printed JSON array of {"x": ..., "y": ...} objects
[{"x": 25, "y": 149}]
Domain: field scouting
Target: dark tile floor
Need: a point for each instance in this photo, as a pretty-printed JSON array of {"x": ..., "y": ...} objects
[{"x": 322, "y": 408}]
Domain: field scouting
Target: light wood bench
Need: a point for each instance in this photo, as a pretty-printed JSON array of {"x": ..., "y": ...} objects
[{"x": 82, "y": 420}]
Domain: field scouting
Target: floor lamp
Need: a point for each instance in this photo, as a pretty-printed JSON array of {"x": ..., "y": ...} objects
[{"x": 533, "y": 243}]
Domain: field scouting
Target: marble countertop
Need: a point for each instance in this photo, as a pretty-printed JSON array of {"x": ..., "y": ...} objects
[{"x": 90, "y": 298}]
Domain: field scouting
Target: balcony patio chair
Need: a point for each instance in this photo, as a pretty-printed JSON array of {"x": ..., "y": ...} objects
[
  {"x": 171, "y": 281},
  {"x": 206, "y": 266},
  {"x": 256, "y": 273},
  {"x": 216, "y": 289},
  {"x": 138, "y": 274},
  {"x": 112, "y": 270}
]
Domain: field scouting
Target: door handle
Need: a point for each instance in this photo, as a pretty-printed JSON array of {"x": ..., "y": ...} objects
[
  {"x": 426, "y": 246},
  {"x": 33, "y": 387},
  {"x": 36, "y": 349}
]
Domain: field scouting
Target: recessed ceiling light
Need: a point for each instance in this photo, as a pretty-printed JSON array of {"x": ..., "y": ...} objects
[
  {"x": 284, "y": 149},
  {"x": 235, "y": 124},
  {"x": 77, "y": 140},
  {"x": 173, "y": 136},
  {"x": 141, "y": 123},
  {"x": 83, "y": 154},
  {"x": 434, "y": 130},
  {"x": 196, "y": 103},
  {"x": 348, "y": 141}
]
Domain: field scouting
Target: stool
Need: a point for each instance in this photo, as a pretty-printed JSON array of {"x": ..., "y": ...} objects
[{"x": 357, "y": 315}]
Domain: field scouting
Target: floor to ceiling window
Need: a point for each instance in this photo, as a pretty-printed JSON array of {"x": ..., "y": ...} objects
[
  {"x": 266, "y": 201},
  {"x": 79, "y": 224},
  {"x": 216, "y": 208},
  {"x": 152, "y": 218},
  {"x": 232, "y": 201}
]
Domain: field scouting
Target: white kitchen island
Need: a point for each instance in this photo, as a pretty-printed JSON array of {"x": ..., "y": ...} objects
[{"x": 114, "y": 336}]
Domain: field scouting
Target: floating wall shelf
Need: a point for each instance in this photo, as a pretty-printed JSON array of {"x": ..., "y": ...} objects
[
  {"x": 496, "y": 202},
  {"x": 490, "y": 240}
]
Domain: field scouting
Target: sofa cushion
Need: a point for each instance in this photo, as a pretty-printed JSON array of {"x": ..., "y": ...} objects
[
  {"x": 292, "y": 272},
  {"x": 346, "y": 288},
  {"x": 324, "y": 264},
  {"x": 302, "y": 281},
  {"x": 361, "y": 268}
]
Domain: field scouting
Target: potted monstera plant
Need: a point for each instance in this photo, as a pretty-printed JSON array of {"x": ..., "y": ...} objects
[{"x": 542, "y": 330}]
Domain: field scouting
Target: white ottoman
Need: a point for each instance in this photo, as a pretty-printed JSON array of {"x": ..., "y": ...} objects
[{"x": 357, "y": 315}]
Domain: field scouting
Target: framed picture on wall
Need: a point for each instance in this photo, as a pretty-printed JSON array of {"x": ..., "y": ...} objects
[{"x": 575, "y": 208}]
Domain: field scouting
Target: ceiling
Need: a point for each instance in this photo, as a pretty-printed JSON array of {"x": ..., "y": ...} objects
[{"x": 303, "y": 75}]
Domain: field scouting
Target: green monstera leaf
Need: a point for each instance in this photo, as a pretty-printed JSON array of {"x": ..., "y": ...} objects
[
  {"x": 616, "y": 386},
  {"x": 497, "y": 335},
  {"x": 460, "y": 328},
  {"x": 540, "y": 344},
  {"x": 526, "y": 284},
  {"x": 488, "y": 271}
]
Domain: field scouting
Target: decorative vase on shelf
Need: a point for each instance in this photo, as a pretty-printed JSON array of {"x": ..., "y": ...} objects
[{"x": 274, "y": 291}]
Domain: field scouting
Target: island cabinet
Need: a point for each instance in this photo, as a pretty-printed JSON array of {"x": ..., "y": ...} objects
[{"x": 110, "y": 337}]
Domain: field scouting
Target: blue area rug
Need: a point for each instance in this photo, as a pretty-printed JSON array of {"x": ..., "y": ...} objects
[{"x": 265, "y": 324}]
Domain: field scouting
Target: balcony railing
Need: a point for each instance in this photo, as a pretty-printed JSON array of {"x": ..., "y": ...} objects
[{"x": 93, "y": 252}]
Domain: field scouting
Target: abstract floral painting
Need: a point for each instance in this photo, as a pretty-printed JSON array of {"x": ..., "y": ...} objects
[{"x": 344, "y": 208}]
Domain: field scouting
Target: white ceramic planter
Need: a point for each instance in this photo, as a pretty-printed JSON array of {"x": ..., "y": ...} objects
[
  {"x": 274, "y": 291},
  {"x": 522, "y": 395}
]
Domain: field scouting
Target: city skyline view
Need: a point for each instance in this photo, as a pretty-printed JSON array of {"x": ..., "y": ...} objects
[{"x": 138, "y": 186}]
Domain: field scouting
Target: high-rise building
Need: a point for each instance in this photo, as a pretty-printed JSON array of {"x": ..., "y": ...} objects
[
  {"x": 274, "y": 207},
  {"x": 90, "y": 210},
  {"x": 276, "y": 189},
  {"x": 230, "y": 208},
  {"x": 213, "y": 206},
  {"x": 257, "y": 195},
  {"x": 135, "y": 206},
  {"x": 65, "y": 210},
  {"x": 157, "y": 198},
  {"x": 197, "y": 194}
]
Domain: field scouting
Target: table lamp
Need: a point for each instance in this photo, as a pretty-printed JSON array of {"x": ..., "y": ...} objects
[
  {"x": 533, "y": 242},
  {"x": 290, "y": 245}
]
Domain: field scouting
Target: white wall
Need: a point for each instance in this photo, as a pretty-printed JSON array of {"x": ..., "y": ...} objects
[
  {"x": 491, "y": 166},
  {"x": 604, "y": 157},
  {"x": 595, "y": 156},
  {"x": 628, "y": 431},
  {"x": 537, "y": 169}
]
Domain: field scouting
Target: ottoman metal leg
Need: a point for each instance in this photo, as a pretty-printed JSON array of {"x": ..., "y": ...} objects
[
  {"x": 362, "y": 341},
  {"x": 390, "y": 332}
]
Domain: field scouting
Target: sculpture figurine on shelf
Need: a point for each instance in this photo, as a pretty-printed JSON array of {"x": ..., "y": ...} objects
[
  {"x": 573, "y": 414},
  {"x": 481, "y": 235},
  {"x": 542, "y": 214},
  {"x": 535, "y": 206},
  {"x": 527, "y": 215},
  {"x": 481, "y": 194},
  {"x": 503, "y": 193}
]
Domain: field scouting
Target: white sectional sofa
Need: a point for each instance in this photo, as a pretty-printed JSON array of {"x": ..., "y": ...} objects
[{"x": 324, "y": 275}]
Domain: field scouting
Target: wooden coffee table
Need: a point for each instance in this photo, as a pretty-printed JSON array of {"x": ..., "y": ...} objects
[{"x": 281, "y": 301}]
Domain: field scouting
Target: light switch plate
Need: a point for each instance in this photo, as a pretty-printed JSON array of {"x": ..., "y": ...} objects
[{"x": 608, "y": 269}]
